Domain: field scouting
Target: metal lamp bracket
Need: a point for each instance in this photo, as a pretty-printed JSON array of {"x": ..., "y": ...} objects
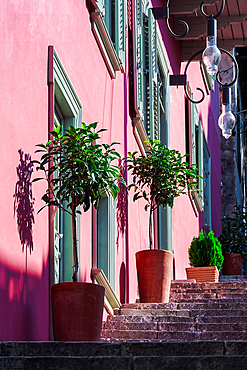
[{"x": 163, "y": 13}]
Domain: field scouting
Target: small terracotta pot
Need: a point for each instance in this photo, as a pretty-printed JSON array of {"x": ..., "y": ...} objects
[
  {"x": 154, "y": 272},
  {"x": 233, "y": 263},
  {"x": 204, "y": 274},
  {"x": 77, "y": 310}
]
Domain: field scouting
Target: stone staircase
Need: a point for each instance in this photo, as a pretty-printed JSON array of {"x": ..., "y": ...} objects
[
  {"x": 204, "y": 326},
  {"x": 208, "y": 355},
  {"x": 196, "y": 312}
]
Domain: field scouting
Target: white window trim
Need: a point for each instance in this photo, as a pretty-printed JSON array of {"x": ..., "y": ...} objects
[
  {"x": 64, "y": 84},
  {"x": 105, "y": 44},
  {"x": 63, "y": 81}
]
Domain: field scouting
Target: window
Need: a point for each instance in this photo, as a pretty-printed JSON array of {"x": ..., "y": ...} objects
[
  {"x": 194, "y": 147},
  {"x": 106, "y": 237},
  {"x": 145, "y": 70},
  {"x": 108, "y": 25},
  {"x": 206, "y": 186},
  {"x": 67, "y": 111}
]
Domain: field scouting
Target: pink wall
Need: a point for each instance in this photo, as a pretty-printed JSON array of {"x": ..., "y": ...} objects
[{"x": 27, "y": 28}]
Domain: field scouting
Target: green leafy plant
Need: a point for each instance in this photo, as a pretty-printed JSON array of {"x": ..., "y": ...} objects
[
  {"x": 234, "y": 232},
  {"x": 160, "y": 176},
  {"x": 205, "y": 251},
  {"x": 77, "y": 170}
]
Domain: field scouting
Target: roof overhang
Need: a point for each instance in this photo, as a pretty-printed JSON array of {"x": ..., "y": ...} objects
[{"x": 232, "y": 24}]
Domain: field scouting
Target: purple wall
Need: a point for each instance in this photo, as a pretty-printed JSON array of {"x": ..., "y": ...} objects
[{"x": 27, "y": 29}]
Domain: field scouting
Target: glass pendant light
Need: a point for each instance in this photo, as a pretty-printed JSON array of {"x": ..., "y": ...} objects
[
  {"x": 226, "y": 120},
  {"x": 211, "y": 56}
]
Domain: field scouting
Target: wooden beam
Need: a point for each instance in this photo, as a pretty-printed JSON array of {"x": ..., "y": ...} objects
[
  {"x": 187, "y": 7},
  {"x": 197, "y": 25},
  {"x": 189, "y": 48}
]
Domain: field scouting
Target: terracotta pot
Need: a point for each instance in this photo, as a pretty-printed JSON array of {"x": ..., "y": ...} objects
[
  {"x": 154, "y": 272},
  {"x": 77, "y": 310},
  {"x": 204, "y": 274},
  {"x": 232, "y": 264}
]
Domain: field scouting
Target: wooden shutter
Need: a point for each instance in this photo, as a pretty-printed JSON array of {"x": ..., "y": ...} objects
[
  {"x": 194, "y": 123},
  {"x": 200, "y": 156},
  {"x": 206, "y": 185},
  {"x": 152, "y": 91},
  {"x": 120, "y": 30},
  {"x": 137, "y": 24},
  {"x": 57, "y": 237}
]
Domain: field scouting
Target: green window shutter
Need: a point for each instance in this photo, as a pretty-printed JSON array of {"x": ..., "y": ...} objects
[
  {"x": 152, "y": 91},
  {"x": 57, "y": 237},
  {"x": 106, "y": 250},
  {"x": 138, "y": 59},
  {"x": 206, "y": 184},
  {"x": 120, "y": 30},
  {"x": 200, "y": 156},
  {"x": 194, "y": 123}
]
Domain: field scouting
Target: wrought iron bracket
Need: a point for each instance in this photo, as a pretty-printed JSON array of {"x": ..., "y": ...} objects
[{"x": 163, "y": 13}]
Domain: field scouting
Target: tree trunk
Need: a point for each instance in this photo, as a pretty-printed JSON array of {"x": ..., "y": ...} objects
[{"x": 75, "y": 254}]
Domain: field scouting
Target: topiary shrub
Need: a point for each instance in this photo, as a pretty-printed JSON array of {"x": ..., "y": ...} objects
[{"x": 206, "y": 251}]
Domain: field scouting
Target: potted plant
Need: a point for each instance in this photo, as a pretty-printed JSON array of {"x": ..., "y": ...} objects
[
  {"x": 158, "y": 177},
  {"x": 234, "y": 241},
  {"x": 77, "y": 170},
  {"x": 206, "y": 259}
]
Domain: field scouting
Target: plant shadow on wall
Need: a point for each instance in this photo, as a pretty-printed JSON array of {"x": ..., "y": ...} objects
[
  {"x": 121, "y": 213},
  {"x": 159, "y": 176},
  {"x": 121, "y": 203},
  {"x": 24, "y": 201}
]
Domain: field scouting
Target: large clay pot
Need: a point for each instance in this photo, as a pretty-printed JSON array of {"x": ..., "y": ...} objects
[
  {"x": 233, "y": 263},
  {"x": 204, "y": 274},
  {"x": 154, "y": 272},
  {"x": 77, "y": 310}
]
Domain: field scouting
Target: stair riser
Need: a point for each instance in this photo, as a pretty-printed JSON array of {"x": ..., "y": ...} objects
[
  {"x": 188, "y": 313},
  {"x": 127, "y": 363},
  {"x": 171, "y": 336}
]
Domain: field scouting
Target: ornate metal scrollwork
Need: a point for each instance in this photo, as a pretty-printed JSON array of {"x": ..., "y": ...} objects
[
  {"x": 212, "y": 16},
  {"x": 163, "y": 13},
  {"x": 217, "y": 75},
  {"x": 235, "y": 67},
  {"x": 169, "y": 28},
  {"x": 198, "y": 88}
]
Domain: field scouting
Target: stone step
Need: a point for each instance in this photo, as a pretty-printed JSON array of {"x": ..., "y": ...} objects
[
  {"x": 219, "y": 285},
  {"x": 177, "y": 326},
  {"x": 177, "y": 319},
  {"x": 188, "y": 297},
  {"x": 145, "y": 335},
  {"x": 125, "y": 363},
  {"x": 196, "y": 289},
  {"x": 225, "y": 278},
  {"x": 187, "y": 312},
  {"x": 175, "y": 307},
  {"x": 207, "y": 355}
]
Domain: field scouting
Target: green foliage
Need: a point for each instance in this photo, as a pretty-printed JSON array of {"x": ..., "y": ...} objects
[
  {"x": 205, "y": 251},
  {"x": 234, "y": 232},
  {"x": 160, "y": 176},
  {"x": 79, "y": 168}
]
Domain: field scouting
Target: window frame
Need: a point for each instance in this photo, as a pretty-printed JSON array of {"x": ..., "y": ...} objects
[
  {"x": 69, "y": 108},
  {"x": 113, "y": 52},
  {"x": 207, "y": 214},
  {"x": 147, "y": 123},
  {"x": 106, "y": 243},
  {"x": 194, "y": 147}
]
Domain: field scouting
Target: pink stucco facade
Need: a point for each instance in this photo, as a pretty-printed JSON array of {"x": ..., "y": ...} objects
[{"x": 27, "y": 29}]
